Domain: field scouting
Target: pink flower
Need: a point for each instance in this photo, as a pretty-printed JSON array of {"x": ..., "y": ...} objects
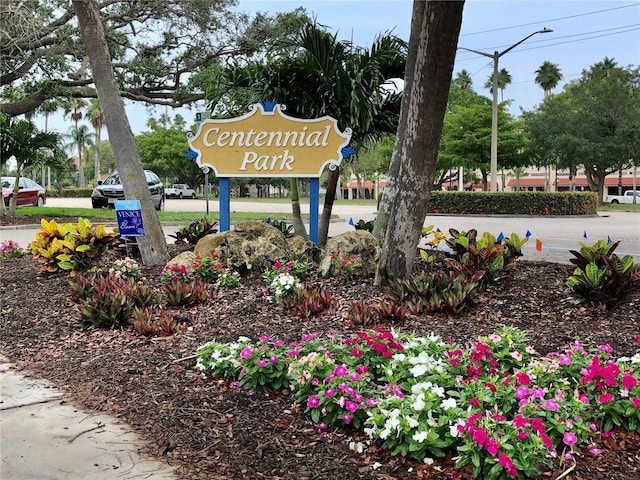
[
  {"x": 479, "y": 436},
  {"x": 340, "y": 371},
  {"x": 351, "y": 406},
  {"x": 347, "y": 419},
  {"x": 262, "y": 363},
  {"x": 522, "y": 435},
  {"x": 474, "y": 401},
  {"x": 629, "y": 381},
  {"x": 551, "y": 405},
  {"x": 546, "y": 440},
  {"x": 636, "y": 402},
  {"x": 595, "y": 451},
  {"x": 508, "y": 465},
  {"x": 356, "y": 352},
  {"x": 523, "y": 379},
  {"x": 313, "y": 402},
  {"x": 246, "y": 352},
  {"x": 492, "y": 446},
  {"x": 329, "y": 392},
  {"x": 605, "y": 397},
  {"x": 569, "y": 438},
  {"x": 606, "y": 348}
]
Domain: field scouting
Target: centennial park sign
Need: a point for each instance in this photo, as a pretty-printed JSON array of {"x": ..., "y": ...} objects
[{"x": 266, "y": 143}]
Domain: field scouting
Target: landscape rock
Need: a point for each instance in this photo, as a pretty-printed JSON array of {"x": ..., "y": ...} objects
[
  {"x": 358, "y": 245},
  {"x": 304, "y": 250},
  {"x": 185, "y": 258},
  {"x": 249, "y": 246}
]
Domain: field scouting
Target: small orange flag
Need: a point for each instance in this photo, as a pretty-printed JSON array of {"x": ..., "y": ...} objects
[{"x": 538, "y": 245}]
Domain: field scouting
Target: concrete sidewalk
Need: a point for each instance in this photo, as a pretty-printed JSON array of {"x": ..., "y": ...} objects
[{"x": 43, "y": 437}]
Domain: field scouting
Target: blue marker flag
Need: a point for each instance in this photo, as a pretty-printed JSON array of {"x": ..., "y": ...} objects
[
  {"x": 528, "y": 234},
  {"x": 269, "y": 220},
  {"x": 438, "y": 230},
  {"x": 608, "y": 239},
  {"x": 584, "y": 235},
  {"x": 351, "y": 222},
  {"x": 500, "y": 237}
]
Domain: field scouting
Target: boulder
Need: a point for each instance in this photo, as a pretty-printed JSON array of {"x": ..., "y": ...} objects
[
  {"x": 358, "y": 245},
  {"x": 304, "y": 250},
  {"x": 184, "y": 258},
  {"x": 248, "y": 246}
]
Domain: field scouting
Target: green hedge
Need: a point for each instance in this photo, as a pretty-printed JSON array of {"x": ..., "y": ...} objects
[
  {"x": 513, "y": 203},
  {"x": 70, "y": 192}
]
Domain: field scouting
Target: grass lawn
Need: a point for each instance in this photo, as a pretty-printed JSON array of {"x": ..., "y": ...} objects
[{"x": 110, "y": 215}]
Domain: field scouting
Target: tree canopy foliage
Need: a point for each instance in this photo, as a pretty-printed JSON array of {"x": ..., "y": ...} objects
[
  {"x": 466, "y": 135},
  {"x": 158, "y": 48},
  {"x": 593, "y": 123}
]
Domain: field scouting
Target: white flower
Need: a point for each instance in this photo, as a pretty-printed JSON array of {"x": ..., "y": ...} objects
[
  {"x": 428, "y": 461},
  {"x": 413, "y": 423},
  {"x": 384, "y": 433},
  {"x": 420, "y": 436},
  {"x": 418, "y": 405},
  {"x": 449, "y": 403},
  {"x": 418, "y": 370}
]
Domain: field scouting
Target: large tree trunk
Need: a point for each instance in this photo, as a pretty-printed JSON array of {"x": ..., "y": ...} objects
[
  {"x": 435, "y": 41},
  {"x": 391, "y": 188},
  {"x": 153, "y": 246},
  {"x": 325, "y": 217}
]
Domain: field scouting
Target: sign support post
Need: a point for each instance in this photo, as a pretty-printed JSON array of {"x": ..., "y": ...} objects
[
  {"x": 314, "y": 203},
  {"x": 225, "y": 204}
]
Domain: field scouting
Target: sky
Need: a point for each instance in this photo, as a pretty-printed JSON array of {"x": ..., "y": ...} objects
[{"x": 584, "y": 33}]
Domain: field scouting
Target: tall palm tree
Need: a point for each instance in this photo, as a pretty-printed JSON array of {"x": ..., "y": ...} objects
[
  {"x": 80, "y": 138},
  {"x": 504, "y": 79},
  {"x": 97, "y": 119},
  {"x": 463, "y": 80},
  {"x": 76, "y": 115},
  {"x": 548, "y": 76}
]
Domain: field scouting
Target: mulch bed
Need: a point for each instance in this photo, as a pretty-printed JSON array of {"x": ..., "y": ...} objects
[{"x": 209, "y": 429}]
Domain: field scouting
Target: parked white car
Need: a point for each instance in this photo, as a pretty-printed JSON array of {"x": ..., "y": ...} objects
[
  {"x": 626, "y": 198},
  {"x": 180, "y": 190}
]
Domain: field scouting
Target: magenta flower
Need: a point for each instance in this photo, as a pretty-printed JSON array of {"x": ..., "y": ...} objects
[
  {"x": 340, "y": 371},
  {"x": 636, "y": 402},
  {"x": 551, "y": 405},
  {"x": 629, "y": 381},
  {"x": 492, "y": 446},
  {"x": 246, "y": 352},
  {"x": 546, "y": 440},
  {"x": 479, "y": 436},
  {"x": 351, "y": 406},
  {"x": 522, "y": 435},
  {"x": 606, "y": 348},
  {"x": 569, "y": 438},
  {"x": 262, "y": 363},
  {"x": 273, "y": 359},
  {"x": 347, "y": 419},
  {"x": 329, "y": 392},
  {"x": 313, "y": 402},
  {"x": 523, "y": 379},
  {"x": 508, "y": 465},
  {"x": 605, "y": 397}
]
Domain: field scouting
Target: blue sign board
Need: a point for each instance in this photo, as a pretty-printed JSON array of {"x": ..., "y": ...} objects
[{"x": 129, "y": 216}]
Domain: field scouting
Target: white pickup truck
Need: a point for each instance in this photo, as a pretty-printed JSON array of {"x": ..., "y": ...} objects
[
  {"x": 626, "y": 198},
  {"x": 180, "y": 190}
]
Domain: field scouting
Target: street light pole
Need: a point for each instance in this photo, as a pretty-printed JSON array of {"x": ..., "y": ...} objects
[{"x": 494, "y": 110}]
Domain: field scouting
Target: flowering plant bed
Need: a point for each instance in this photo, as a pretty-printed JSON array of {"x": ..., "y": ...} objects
[{"x": 212, "y": 427}]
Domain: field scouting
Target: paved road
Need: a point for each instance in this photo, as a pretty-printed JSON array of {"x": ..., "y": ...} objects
[{"x": 557, "y": 234}]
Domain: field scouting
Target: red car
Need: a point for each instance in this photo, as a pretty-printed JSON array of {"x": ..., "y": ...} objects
[{"x": 29, "y": 192}]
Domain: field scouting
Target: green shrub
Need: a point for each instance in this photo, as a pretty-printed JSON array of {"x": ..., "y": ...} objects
[
  {"x": 513, "y": 203},
  {"x": 71, "y": 247},
  {"x": 601, "y": 276},
  {"x": 195, "y": 231}
]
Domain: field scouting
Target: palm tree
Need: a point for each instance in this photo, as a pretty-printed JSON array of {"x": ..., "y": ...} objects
[
  {"x": 548, "y": 76},
  {"x": 81, "y": 138},
  {"x": 504, "y": 79},
  {"x": 605, "y": 66},
  {"x": 22, "y": 140},
  {"x": 463, "y": 80},
  {"x": 47, "y": 108},
  {"x": 97, "y": 119},
  {"x": 76, "y": 116},
  {"x": 346, "y": 85}
]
